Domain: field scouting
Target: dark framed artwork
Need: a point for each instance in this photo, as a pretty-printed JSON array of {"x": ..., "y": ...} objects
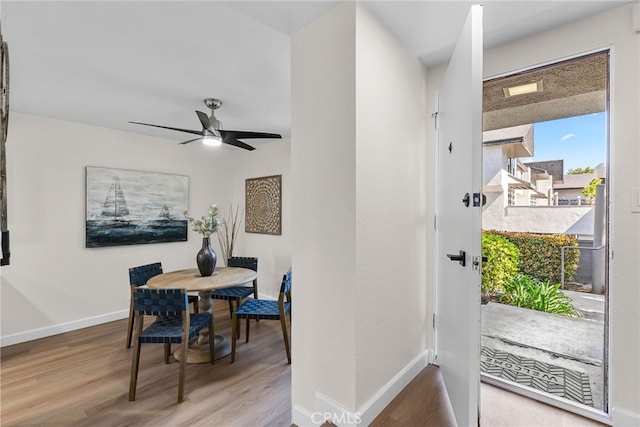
[
  {"x": 263, "y": 205},
  {"x": 126, "y": 207}
]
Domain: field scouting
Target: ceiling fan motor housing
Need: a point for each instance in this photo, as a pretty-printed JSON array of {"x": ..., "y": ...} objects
[
  {"x": 213, "y": 104},
  {"x": 215, "y": 123}
]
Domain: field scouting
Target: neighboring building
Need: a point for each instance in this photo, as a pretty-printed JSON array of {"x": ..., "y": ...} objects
[
  {"x": 531, "y": 197},
  {"x": 555, "y": 168},
  {"x": 570, "y": 189},
  {"x": 506, "y": 180}
]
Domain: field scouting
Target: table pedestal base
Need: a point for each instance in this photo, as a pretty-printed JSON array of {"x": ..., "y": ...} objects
[{"x": 199, "y": 353}]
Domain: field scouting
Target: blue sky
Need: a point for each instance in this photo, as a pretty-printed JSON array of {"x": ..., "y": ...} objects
[{"x": 579, "y": 141}]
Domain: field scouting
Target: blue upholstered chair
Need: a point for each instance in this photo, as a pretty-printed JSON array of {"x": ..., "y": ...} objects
[
  {"x": 238, "y": 293},
  {"x": 267, "y": 310},
  {"x": 174, "y": 324},
  {"x": 138, "y": 276}
]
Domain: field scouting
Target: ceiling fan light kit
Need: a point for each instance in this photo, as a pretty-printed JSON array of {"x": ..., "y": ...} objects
[
  {"x": 211, "y": 141},
  {"x": 212, "y": 133}
]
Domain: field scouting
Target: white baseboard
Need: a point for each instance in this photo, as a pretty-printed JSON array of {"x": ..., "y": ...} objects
[
  {"x": 327, "y": 409},
  {"x": 48, "y": 331},
  {"x": 624, "y": 418},
  {"x": 370, "y": 410},
  {"x": 301, "y": 417}
]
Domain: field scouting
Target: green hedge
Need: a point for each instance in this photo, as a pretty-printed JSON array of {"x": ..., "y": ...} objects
[
  {"x": 501, "y": 265},
  {"x": 540, "y": 254}
]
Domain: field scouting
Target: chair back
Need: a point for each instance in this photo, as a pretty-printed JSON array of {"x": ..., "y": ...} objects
[
  {"x": 138, "y": 276},
  {"x": 285, "y": 287},
  {"x": 244, "y": 262},
  {"x": 160, "y": 302}
]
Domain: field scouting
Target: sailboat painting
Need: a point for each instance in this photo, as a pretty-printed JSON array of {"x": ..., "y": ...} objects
[{"x": 126, "y": 207}]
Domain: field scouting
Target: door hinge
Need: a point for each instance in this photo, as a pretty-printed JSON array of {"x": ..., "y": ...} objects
[
  {"x": 436, "y": 123},
  {"x": 434, "y": 320},
  {"x": 435, "y": 222}
]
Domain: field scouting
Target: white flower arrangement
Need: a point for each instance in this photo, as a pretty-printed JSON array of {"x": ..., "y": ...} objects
[{"x": 208, "y": 224}]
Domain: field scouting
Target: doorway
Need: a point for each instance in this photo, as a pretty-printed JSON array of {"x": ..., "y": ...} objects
[{"x": 545, "y": 234}]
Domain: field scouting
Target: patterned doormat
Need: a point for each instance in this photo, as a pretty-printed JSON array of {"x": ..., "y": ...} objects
[{"x": 561, "y": 382}]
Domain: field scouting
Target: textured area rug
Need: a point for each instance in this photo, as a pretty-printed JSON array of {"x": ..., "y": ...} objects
[{"x": 556, "y": 380}]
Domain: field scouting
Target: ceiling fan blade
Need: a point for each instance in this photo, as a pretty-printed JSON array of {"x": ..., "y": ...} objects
[
  {"x": 236, "y": 143},
  {"x": 241, "y": 134},
  {"x": 206, "y": 123},
  {"x": 191, "y": 140},
  {"x": 195, "y": 132}
]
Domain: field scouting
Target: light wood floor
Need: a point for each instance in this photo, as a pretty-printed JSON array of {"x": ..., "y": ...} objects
[
  {"x": 81, "y": 378},
  {"x": 423, "y": 402}
]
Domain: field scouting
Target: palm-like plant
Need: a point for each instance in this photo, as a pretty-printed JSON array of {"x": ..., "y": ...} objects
[{"x": 527, "y": 292}]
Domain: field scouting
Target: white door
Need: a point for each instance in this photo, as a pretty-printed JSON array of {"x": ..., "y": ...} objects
[{"x": 458, "y": 227}]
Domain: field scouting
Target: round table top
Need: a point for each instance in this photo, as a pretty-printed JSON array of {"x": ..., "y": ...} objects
[{"x": 191, "y": 280}]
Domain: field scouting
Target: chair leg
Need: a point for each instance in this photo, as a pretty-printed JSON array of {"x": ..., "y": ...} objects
[
  {"x": 246, "y": 336},
  {"x": 285, "y": 335},
  {"x": 234, "y": 331},
  {"x": 239, "y": 301},
  {"x": 135, "y": 364},
  {"x": 130, "y": 324},
  {"x": 167, "y": 352},
  {"x": 183, "y": 366},
  {"x": 230, "y": 308},
  {"x": 255, "y": 291}
]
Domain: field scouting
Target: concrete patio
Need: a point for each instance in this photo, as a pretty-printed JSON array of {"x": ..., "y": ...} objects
[{"x": 575, "y": 344}]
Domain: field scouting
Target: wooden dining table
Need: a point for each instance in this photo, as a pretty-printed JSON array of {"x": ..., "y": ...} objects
[{"x": 192, "y": 281}]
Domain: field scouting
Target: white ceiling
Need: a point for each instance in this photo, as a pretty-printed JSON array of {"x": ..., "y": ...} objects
[{"x": 106, "y": 63}]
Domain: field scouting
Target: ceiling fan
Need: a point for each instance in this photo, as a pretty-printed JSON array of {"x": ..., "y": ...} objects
[{"x": 212, "y": 133}]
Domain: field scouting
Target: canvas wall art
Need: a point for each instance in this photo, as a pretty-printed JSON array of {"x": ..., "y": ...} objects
[
  {"x": 264, "y": 205},
  {"x": 126, "y": 207}
]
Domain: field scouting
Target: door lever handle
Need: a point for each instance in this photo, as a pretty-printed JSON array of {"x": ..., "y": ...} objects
[{"x": 461, "y": 258}]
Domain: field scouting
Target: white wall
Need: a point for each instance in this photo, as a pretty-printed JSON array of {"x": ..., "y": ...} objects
[
  {"x": 540, "y": 219},
  {"x": 390, "y": 207},
  {"x": 324, "y": 191},
  {"x": 494, "y": 161},
  {"x": 359, "y": 204},
  {"x": 273, "y": 252},
  {"x": 55, "y": 284},
  {"x": 613, "y": 30}
]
